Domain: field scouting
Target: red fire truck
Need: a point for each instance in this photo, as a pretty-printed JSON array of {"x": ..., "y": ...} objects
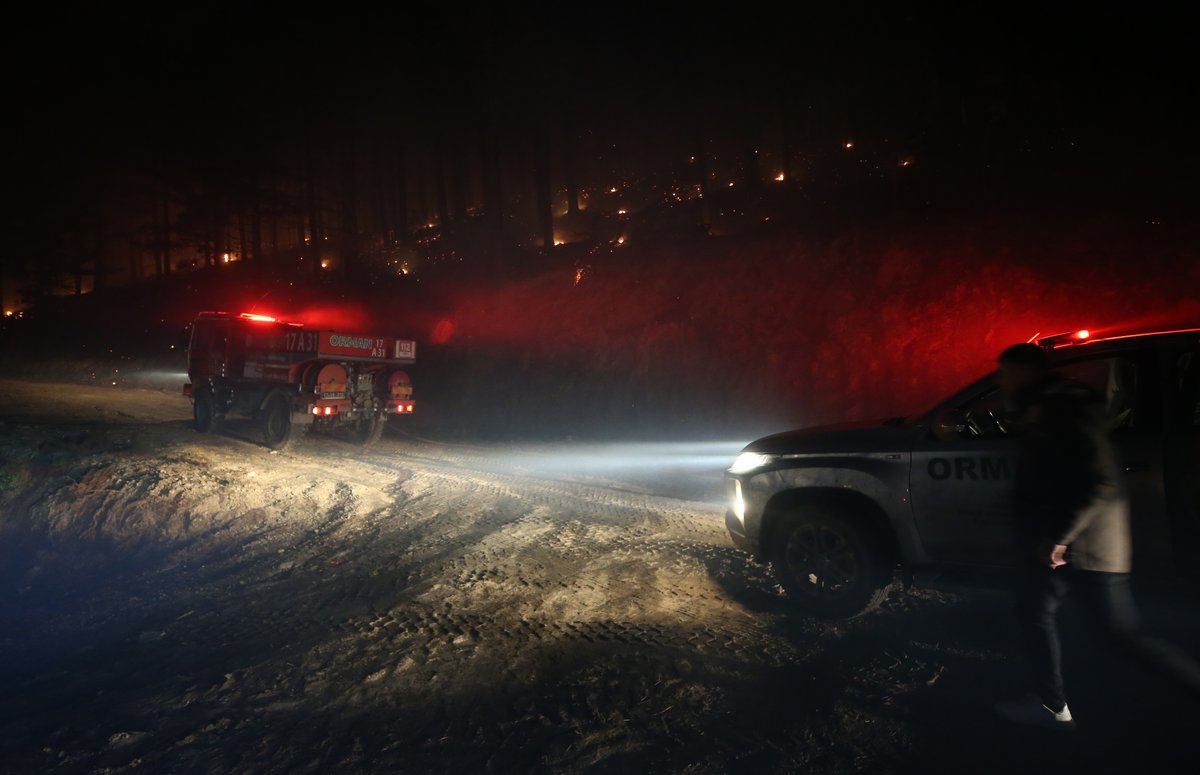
[{"x": 291, "y": 378}]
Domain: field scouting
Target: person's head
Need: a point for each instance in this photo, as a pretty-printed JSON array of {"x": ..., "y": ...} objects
[{"x": 1021, "y": 366}]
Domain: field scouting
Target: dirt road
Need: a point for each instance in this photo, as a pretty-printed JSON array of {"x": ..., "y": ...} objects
[{"x": 172, "y": 602}]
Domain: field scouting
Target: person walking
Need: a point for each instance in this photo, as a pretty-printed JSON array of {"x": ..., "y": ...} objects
[{"x": 1071, "y": 523}]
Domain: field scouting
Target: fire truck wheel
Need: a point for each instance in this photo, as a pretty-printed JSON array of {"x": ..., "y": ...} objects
[
  {"x": 204, "y": 412},
  {"x": 277, "y": 421},
  {"x": 370, "y": 431}
]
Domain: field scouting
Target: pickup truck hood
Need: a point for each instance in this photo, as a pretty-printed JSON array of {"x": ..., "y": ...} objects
[{"x": 838, "y": 439}]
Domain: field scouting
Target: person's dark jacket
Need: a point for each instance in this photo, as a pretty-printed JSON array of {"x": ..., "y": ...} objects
[{"x": 1067, "y": 479}]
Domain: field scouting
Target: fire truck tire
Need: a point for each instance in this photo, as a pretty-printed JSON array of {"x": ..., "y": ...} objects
[
  {"x": 277, "y": 426},
  {"x": 204, "y": 412},
  {"x": 371, "y": 431}
]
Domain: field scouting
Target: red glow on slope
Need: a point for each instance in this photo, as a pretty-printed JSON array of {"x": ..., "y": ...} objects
[
  {"x": 443, "y": 331},
  {"x": 882, "y": 329},
  {"x": 339, "y": 317}
]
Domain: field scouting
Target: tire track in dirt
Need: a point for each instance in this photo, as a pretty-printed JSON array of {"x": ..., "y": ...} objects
[
  {"x": 510, "y": 558},
  {"x": 405, "y": 581}
]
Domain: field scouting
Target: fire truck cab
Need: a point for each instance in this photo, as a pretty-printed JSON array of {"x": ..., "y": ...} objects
[{"x": 291, "y": 378}]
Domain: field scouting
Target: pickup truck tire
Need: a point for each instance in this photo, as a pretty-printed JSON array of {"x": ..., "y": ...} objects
[
  {"x": 830, "y": 566},
  {"x": 277, "y": 425},
  {"x": 204, "y": 412}
]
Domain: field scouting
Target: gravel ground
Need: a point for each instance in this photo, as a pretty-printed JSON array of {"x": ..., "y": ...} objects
[{"x": 171, "y": 602}]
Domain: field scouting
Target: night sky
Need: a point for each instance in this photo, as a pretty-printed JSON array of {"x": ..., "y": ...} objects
[{"x": 1088, "y": 101}]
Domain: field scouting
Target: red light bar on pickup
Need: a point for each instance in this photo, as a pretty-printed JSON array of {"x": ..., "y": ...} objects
[
  {"x": 1064, "y": 339},
  {"x": 1084, "y": 336}
]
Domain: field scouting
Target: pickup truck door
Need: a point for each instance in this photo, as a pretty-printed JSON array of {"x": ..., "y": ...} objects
[
  {"x": 1182, "y": 457},
  {"x": 961, "y": 487},
  {"x": 1140, "y": 442},
  {"x": 960, "y": 490}
]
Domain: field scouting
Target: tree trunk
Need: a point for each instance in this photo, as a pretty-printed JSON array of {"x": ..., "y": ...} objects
[
  {"x": 213, "y": 244},
  {"x": 256, "y": 231},
  {"x": 314, "y": 225},
  {"x": 382, "y": 192},
  {"x": 458, "y": 180},
  {"x": 350, "y": 216},
  {"x": 541, "y": 163},
  {"x": 166, "y": 234},
  {"x": 400, "y": 222},
  {"x": 424, "y": 197},
  {"x": 750, "y": 163},
  {"x": 298, "y": 213},
  {"x": 786, "y": 143},
  {"x": 274, "y": 219},
  {"x": 135, "y": 262},
  {"x": 156, "y": 240},
  {"x": 77, "y": 267},
  {"x": 313, "y": 251},
  {"x": 242, "y": 253},
  {"x": 706, "y": 206},
  {"x": 439, "y": 170},
  {"x": 100, "y": 259},
  {"x": 569, "y": 169},
  {"x": 493, "y": 193}
]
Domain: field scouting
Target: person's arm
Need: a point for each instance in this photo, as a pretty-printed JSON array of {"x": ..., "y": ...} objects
[
  {"x": 1099, "y": 485},
  {"x": 1084, "y": 517}
]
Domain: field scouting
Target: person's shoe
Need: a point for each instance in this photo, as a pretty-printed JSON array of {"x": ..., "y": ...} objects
[{"x": 1031, "y": 711}]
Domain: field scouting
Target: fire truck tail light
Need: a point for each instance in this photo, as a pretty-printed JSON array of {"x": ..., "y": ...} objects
[
  {"x": 316, "y": 410},
  {"x": 329, "y": 410}
]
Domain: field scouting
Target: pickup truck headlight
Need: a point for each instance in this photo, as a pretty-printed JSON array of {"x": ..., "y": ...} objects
[
  {"x": 748, "y": 461},
  {"x": 739, "y": 502}
]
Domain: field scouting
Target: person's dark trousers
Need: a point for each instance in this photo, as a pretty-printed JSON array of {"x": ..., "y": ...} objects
[{"x": 1108, "y": 602}]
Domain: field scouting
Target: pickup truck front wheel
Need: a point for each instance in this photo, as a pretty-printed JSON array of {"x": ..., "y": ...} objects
[{"x": 830, "y": 566}]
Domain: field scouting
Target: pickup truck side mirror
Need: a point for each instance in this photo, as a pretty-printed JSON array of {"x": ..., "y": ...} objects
[{"x": 951, "y": 424}]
